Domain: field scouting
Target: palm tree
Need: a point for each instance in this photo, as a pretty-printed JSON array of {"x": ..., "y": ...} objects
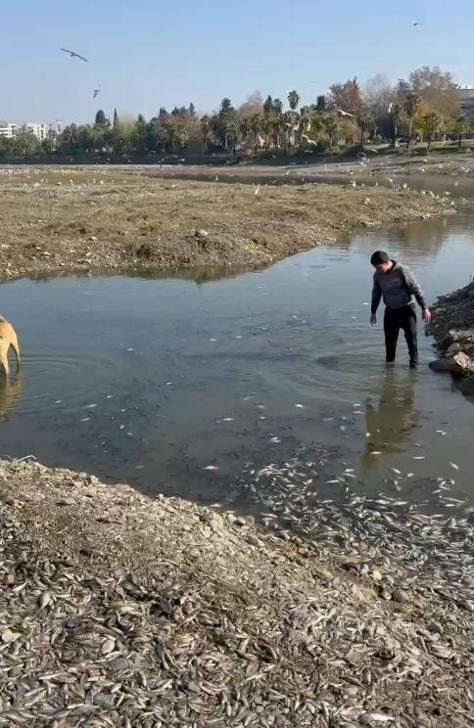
[
  {"x": 411, "y": 106},
  {"x": 331, "y": 124},
  {"x": 205, "y": 129},
  {"x": 256, "y": 128},
  {"x": 293, "y": 100},
  {"x": 461, "y": 126},
  {"x": 397, "y": 113},
  {"x": 432, "y": 124}
]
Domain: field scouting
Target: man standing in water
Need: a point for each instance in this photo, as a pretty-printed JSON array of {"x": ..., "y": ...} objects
[{"x": 399, "y": 289}]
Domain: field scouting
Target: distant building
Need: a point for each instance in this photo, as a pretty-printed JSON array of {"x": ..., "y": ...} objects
[
  {"x": 7, "y": 130},
  {"x": 10, "y": 129},
  {"x": 466, "y": 103}
]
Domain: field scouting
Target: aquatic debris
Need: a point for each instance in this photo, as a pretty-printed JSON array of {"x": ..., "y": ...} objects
[
  {"x": 275, "y": 439},
  {"x": 228, "y": 419},
  {"x": 300, "y": 406},
  {"x": 211, "y": 467}
]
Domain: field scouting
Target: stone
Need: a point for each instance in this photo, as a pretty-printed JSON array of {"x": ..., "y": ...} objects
[
  {"x": 443, "y": 365},
  {"x": 400, "y": 596},
  {"x": 119, "y": 663},
  {"x": 467, "y": 386},
  {"x": 464, "y": 364},
  {"x": 453, "y": 349},
  {"x": 65, "y": 502}
]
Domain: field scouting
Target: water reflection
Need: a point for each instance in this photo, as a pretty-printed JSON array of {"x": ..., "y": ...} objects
[
  {"x": 391, "y": 418},
  {"x": 11, "y": 390},
  {"x": 429, "y": 235}
]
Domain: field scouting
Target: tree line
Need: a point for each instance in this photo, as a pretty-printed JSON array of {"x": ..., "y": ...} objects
[{"x": 424, "y": 107}]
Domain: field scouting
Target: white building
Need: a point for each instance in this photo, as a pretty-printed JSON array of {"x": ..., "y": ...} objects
[
  {"x": 7, "y": 130},
  {"x": 10, "y": 129}
]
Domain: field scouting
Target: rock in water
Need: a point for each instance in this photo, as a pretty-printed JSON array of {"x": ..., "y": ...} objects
[{"x": 464, "y": 365}]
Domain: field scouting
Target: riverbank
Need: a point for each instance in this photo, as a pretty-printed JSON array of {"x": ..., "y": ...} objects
[
  {"x": 60, "y": 221},
  {"x": 453, "y": 329},
  {"x": 117, "y": 609}
]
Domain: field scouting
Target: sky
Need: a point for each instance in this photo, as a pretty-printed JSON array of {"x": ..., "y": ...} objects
[{"x": 150, "y": 53}]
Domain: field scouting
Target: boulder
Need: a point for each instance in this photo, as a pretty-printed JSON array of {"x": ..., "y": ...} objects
[
  {"x": 464, "y": 365},
  {"x": 467, "y": 386},
  {"x": 443, "y": 365}
]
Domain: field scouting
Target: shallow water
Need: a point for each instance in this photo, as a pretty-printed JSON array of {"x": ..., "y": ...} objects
[{"x": 151, "y": 380}]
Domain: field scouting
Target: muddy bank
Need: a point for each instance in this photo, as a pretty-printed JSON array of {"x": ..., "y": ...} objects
[
  {"x": 80, "y": 220},
  {"x": 117, "y": 609},
  {"x": 453, "y": 329}
]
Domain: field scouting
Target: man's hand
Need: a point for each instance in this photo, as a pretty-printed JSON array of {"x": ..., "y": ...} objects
[
  {"x": 427, "y": 317},
  {"x": 373, "y": 320}
]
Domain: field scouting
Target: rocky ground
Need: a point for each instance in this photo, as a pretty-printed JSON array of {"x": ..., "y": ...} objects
[
  {"x": 453, "y": 329},
  {"x": 58, "y": 221},
  {"x": 121, "y": 610}
]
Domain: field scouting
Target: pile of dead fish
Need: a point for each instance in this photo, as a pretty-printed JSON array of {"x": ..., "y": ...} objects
[{"x": 121, "y": 610}]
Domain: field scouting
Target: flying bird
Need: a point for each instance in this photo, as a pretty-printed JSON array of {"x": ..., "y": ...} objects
[
  {"x": 344, "y": 113},
  {"x": 416, "y": 23},
  {"x": 96, "y": 92},
  {"x": 73, "y": 54}
]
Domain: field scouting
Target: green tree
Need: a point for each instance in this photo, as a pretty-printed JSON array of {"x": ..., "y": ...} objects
[
  {"x": 432, "y": 124},
  {"x": 101, "y": 119},
  {"x": 321, "y": 103},
  {"x": 331, "y": 124},
  {"x": 397, "y": 118},
  {"x": 115, "y": 125}
]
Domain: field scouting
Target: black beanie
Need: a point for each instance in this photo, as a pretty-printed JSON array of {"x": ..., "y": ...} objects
[{"x": 380, "y": 256}]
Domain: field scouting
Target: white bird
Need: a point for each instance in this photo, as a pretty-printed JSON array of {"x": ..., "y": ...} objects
[
  {"x": 310, "y": 141},
  {"x": 96, "y": 92},
  {"x": 73, "y": 54},
  {"x": 344, "y": 113},
  {"x": 257, "y": 190}
]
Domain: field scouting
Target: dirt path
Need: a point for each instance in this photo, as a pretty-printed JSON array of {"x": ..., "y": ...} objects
[{"x": 68, "y": 220}]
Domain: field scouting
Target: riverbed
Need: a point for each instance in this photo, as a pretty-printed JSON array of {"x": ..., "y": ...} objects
[{"x": 185, "y": 387}]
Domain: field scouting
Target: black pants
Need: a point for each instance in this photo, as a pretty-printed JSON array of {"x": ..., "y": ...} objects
[{"x": 394, "y": 320}]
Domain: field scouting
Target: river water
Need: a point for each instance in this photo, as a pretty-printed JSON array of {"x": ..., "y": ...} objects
[{"x": 182, "y": 386}]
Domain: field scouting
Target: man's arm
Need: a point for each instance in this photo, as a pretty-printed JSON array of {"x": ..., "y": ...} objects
[
  {"x": 415, "y": 289},
  {"x": 376, "y": 296}
]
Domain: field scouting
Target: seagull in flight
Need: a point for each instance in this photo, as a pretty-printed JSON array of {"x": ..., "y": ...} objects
[
  {"x": 416, "y": 23},
  {"x": 96, "y": 92},
  {"x": 344, "y": 113},
  {"x": 75, "y": 55}
]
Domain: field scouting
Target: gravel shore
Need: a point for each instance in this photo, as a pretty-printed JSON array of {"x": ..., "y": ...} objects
[{"x": 121, "y": 610}]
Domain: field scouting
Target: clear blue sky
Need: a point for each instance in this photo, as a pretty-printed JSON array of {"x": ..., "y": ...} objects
[{"x": 152, "y": 53}]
